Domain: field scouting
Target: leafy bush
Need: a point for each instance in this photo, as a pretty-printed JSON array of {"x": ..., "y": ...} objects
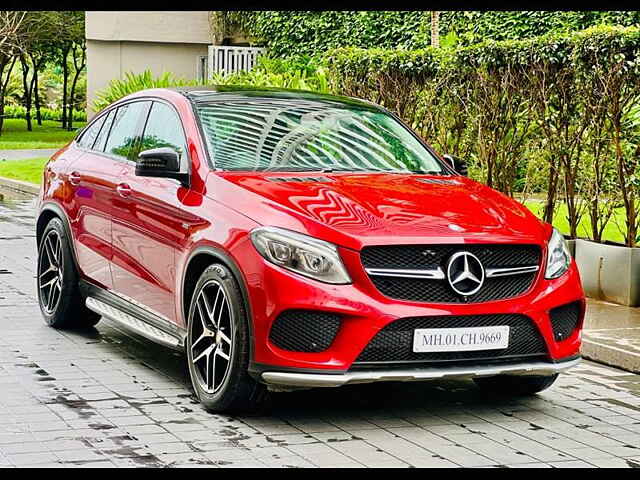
[
  {"x": 568, "y": 99},
  {"x": 134, "y": 82},
  {"x": 300, "y": 73},
  {"x": 313, "y": 32},
  {"x": 18, "y": 111}
]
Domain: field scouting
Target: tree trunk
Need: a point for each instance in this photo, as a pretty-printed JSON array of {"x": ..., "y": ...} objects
[
  {"x": 72, "y": 102},
  {"x": 435, "y": 29},
  {"x": 65, "y": 81},
  {"x": 36, "y": 94},
  {"x": 27, "y": 91},
  {"x": 550, "y": 204},
  {"x": 36, "y": 99},
  {"x": 4, "y": 82},
  {"x": 3, "y": 64}
]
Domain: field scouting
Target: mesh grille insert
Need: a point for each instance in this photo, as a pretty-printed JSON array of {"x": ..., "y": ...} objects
[
  {"x": 565, "y": 320},
  {"x": 434, "y": 256},
  {"x": 394, "y": 343},
  {"x": 304, "y": 330}
]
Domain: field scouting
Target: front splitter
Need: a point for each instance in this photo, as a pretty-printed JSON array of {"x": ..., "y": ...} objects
[{"x": 310, "y": 380}]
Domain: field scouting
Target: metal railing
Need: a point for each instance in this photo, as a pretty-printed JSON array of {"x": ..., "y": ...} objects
[{"x": 227, "y": 60}]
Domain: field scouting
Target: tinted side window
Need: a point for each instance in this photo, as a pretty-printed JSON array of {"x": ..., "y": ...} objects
[
  {"x": 104, "y": 132},
  {"x": 90, "y": 134},
  {"x": 163, "y": 129},
  {"x": 122, "y": 139}
]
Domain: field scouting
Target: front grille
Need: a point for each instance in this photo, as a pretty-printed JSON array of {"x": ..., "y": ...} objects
[
  {"x": 437, "y": 256},
  {"x": 304, "y": 330},
  {"x": 394, "y": 343},
  {"x": 564, "y": 320}
]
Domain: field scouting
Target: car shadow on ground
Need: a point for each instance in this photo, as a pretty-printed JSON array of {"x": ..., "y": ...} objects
[{"x": 405, "y": 398}]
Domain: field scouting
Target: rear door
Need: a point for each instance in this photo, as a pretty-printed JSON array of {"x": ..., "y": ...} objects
[
  {"x": 148, "y": 222},
  {"x": 92, "y": 179}
]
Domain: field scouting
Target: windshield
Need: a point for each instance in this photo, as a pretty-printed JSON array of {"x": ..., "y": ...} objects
[{"x": 301, "y": 135}]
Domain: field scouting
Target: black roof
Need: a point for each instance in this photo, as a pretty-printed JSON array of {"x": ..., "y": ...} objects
[{"x": 215, "y": 93}]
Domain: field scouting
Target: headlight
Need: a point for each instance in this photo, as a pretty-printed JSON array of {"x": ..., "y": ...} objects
[
  {"x": 302, "y": 254},
  {"x": 558, "y": 257}
]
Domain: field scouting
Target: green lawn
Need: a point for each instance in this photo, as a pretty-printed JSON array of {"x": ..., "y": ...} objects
[
  {"x": 28, "y": 170},
  {"x": 14, "y": 134},
  {"x": 611, "y": 231}
]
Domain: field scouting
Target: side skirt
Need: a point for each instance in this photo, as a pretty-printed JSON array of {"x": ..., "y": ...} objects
[{"x": 133, "y": 317}]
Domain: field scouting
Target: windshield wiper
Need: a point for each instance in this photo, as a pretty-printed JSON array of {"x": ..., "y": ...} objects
[
  {"x": 428, "y": 172},
  {"x": 331, "y": 169}
]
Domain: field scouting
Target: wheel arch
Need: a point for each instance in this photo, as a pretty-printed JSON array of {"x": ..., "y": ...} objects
[
  {"x": 197, "y": 262},
  {"x": 49, "y": 211}
]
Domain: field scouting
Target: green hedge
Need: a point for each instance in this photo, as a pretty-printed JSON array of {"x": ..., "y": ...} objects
[
  {"x": 312, "y": 32},
  {"x": 557, "y": 114},
  {"x": 18, "y": 111}
]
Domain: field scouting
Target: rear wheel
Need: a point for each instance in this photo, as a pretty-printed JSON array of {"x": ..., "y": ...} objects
[
  {"x": 511, "y": 385},
  {"x": 218, "y": 345},
  {"x": 61, "y": 303}
]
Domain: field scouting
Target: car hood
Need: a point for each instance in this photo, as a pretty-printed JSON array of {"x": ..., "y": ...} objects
[{"x": 355, "y": 210}]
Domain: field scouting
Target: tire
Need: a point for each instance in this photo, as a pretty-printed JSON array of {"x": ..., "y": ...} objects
[
  {"x": 59, "y": 296},
  {"x": 224, "y": 333},
  {"x": 514, "y": 386}
]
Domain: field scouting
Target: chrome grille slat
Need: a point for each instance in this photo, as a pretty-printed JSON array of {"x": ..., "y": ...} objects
[{"x": 417, "y": 272}]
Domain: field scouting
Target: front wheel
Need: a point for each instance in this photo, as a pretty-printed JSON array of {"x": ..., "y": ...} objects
[
  {"x": 511, "y": 385},
  {"x": 218, "y": 345}
]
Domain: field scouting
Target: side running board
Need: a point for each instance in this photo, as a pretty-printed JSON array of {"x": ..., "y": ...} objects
[{"x": 133, "y": 323}]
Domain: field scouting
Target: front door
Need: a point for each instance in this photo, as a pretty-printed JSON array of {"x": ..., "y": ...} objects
[{"x": 147, "y": 222}]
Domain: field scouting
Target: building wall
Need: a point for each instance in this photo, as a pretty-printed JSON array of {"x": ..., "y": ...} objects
[
  {"x": 109, "y": 60},
  {"x": 149, "y": 26},
  {"x": 121, "y": 42}
]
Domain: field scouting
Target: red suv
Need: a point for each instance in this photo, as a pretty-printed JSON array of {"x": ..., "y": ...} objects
[{"x": 291, "y": 240}]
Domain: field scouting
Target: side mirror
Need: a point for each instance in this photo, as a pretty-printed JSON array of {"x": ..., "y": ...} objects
[
  {"x": 457, "y": 163},
  {"x": 161, "y": 162}
]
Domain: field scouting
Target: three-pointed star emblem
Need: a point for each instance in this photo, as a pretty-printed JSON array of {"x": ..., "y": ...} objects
[{"x": 465, "y": 273}]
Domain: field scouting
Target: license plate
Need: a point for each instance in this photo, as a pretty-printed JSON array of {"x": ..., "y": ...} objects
[{"x": 460, "y": 339}]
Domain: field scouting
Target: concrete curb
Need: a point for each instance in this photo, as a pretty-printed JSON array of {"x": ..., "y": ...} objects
[
  {"x": 19, "y": 186},
  {"x": 610, "y": 355}
]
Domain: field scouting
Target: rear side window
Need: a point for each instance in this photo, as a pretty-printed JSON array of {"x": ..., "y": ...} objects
[
  {"x": 122, "y": 139},
  {"x": 163, "y": 129},
  {"x": 90, "y": 134},
  {"x": 104, "y": 132}
]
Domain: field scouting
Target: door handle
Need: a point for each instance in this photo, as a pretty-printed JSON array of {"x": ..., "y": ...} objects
[
  {"x": 123, "y": 190},
  {"x": 74, "y": 178}
]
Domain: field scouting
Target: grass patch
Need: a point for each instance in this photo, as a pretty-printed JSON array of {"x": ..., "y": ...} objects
[
  {"x": 28, "y": 170},
  {"x": 14, "y": 134},
  {"x": 611, "y": 231}
]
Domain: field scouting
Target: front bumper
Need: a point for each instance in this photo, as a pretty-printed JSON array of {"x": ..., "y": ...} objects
[
  {"x": 310, "y": 380},
  {"x": 364, "y": 312}
]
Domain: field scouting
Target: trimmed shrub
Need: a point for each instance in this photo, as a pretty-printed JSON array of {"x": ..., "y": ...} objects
[
  {"x": 298, "y": 32},
  {"x": 18, "y": 111},
  {"x": 571, "y": 99}
]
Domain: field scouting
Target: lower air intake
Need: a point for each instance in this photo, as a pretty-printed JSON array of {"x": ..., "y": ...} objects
[
  {"x": 394, "y": 343},
  {"x": 304, "y": 330},
  {"x": 564, "y": 320}
]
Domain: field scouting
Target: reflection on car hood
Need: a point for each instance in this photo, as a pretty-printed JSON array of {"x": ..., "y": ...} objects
[{"x": 356, "y": 209}]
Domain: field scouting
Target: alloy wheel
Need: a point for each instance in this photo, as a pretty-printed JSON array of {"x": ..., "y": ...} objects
[
  {"x": 212, "y": 336},
  {"x": 50, "y": 272}
]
